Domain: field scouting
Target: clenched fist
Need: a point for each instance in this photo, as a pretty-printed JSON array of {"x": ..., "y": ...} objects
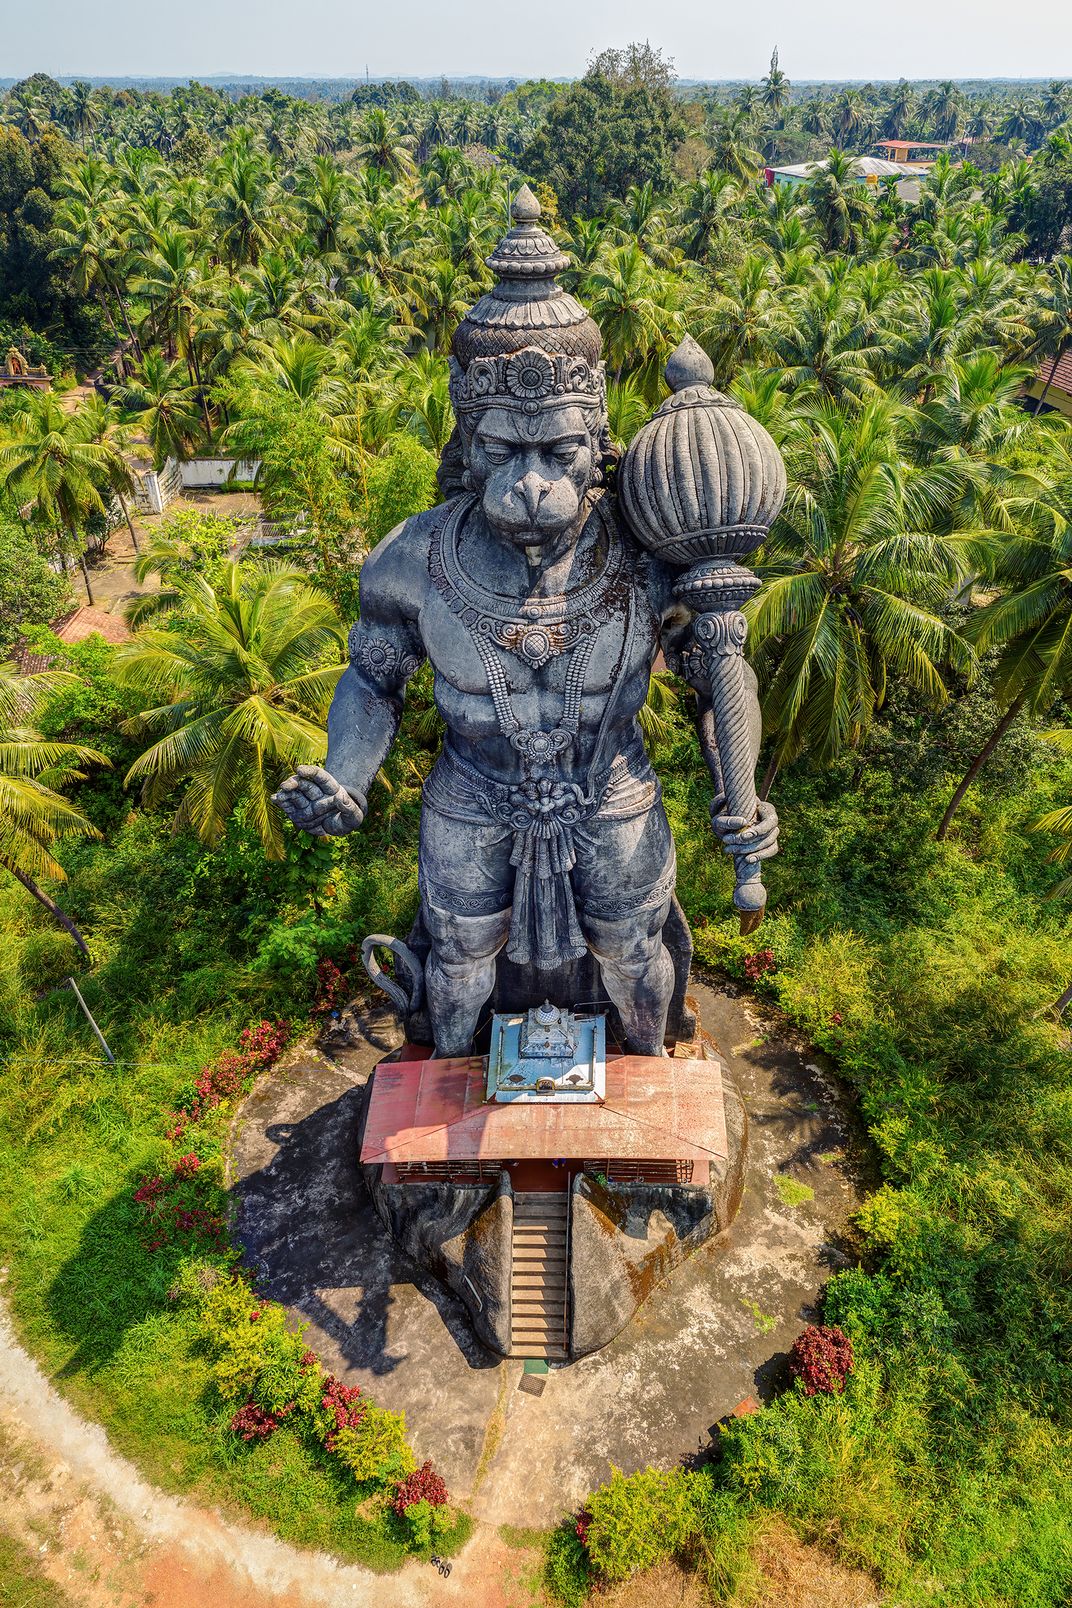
[{"x": 320, "y": 805}]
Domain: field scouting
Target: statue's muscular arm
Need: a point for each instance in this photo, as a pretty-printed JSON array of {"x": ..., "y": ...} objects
[{"x": 385, "y": 649}]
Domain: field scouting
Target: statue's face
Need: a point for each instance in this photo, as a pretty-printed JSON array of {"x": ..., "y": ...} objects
[{"x": 532, "y": 472}]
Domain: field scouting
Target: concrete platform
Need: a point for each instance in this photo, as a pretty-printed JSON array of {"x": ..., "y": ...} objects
[{"x": 716, "y": 1332}]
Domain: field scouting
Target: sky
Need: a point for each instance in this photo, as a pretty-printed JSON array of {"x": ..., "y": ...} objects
[{"x": 826, "y": 39}]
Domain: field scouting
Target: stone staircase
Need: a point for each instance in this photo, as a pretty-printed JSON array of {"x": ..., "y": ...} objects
[{"x": 538, "y": 1277}]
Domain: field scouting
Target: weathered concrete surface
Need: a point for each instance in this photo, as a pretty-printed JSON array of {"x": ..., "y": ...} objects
[
  {"x": 625, "y": 1239},
  {"x": 716, "y": 1331}
]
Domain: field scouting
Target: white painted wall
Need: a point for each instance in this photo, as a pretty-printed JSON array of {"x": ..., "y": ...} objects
[{"x": 202, "y": 474}]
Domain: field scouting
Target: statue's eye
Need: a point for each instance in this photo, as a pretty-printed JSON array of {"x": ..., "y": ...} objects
[
  {"x": 496, "y": 452},
  {"x": 565, "y": 453}
]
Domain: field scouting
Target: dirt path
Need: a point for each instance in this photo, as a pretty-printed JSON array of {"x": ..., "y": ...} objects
[{"x": 109, "y": 1539}]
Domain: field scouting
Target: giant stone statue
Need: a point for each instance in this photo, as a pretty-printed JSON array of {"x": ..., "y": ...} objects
[{"x": 541, "y": 592}]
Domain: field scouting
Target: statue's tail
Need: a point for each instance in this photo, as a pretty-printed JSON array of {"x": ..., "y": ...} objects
[{"x": 405, "y": 989}]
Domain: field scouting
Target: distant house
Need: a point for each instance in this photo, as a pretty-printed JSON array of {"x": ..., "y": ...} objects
[
  {"x": 1052, "y": 385},
  {"x": 15, "y": 370},
  {"x": 76, "y": 627},
  {"x": 870, "y": 170},
  {"x": 919, "y": 155}
]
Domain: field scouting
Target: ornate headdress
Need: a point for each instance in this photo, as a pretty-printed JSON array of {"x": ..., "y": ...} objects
[{"x": 528, "y": 341}]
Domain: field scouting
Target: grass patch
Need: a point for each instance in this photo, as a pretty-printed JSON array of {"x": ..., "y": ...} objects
[
  {"x": 23, "y": 1582},
  {"x": 791, "y": 1191}
]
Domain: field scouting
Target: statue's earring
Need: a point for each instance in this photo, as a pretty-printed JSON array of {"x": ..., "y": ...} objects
[{"x": 467, "y": 480}]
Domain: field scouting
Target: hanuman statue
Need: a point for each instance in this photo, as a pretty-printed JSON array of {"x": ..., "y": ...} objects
[{"x": 542, "y": 609}]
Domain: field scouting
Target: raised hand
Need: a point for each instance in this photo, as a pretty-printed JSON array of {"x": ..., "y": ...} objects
[
  {"x": 748, "y": 841},
  {"x": 320, "y": 805}
]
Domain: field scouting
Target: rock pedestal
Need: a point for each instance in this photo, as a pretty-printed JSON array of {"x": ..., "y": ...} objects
[{"x": 629, "y": 1224}]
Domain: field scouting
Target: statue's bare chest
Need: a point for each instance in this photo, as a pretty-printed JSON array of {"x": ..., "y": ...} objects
[{"x": 500, "y": 659}]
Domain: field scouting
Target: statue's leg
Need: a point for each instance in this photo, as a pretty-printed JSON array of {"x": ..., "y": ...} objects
[
  {"x": 624, "y": 880},
  {"x": 460, "y": 972},
  {"x": 638, "y": 972},
  {"x": 466, "y": 883}
]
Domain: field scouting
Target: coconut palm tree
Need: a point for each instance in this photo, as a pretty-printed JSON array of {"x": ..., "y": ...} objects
[
  {"x": 776, "y": 86},
  {"x": 855, "y": 578},
  {"x": 731, "y": 149},
  {"x": 1029, "y": 622},
  {"x": 382, "y": 144},
  {"x": 636, "y": 307},
  {"x": 167, "y": 406},
  {"x": 237, "y": 688},
  {"x": 50, "y": 459},
  {"x": 245, "y": 204},
  {"x": 839, "y": 201},
  {"x": 33, "y": 813}
]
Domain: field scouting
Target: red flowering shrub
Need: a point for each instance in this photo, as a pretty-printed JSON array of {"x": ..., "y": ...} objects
[
  {"x": 186, "y": 1166},
  {"x": 149, "y": 1193},
  {"x": 261, "y": 1047},
  {"x": 584, "y": 1519},
  {"x": 332, "y": 988},
  {"x": 264, "y": 1044},
  {"x": 821, "y": 1358},
  {"x": 755, "y": 966},
  {"x": 423, "y": 1485},
  {"x": 344, "y": 1404},
  {"x": 252, "y": 1423}
]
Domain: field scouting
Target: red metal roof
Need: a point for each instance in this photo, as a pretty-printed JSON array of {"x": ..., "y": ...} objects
[
  {"x": 655, "y": 1109},
  {"x": 1062, "y": 374},
  {"x": 74, "y": 627}
]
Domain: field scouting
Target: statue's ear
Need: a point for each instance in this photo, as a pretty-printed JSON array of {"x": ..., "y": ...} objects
[{"x": 453, "y": 464}]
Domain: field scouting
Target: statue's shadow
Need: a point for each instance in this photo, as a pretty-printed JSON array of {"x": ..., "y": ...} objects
[{"x": 310, "y": 1233}]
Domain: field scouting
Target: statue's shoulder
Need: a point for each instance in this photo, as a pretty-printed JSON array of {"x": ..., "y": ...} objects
[{"x": 397, "y": 567}]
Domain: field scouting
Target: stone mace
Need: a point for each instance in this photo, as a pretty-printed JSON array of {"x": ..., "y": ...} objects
[{"x": 701, "y": 485}]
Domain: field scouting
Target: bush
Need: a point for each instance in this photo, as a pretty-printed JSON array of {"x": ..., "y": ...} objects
[
  {"x": 426, "y": 1525},
  {"x": 375, "y": 1447},
  {"x": 422, "y": 1485},
  {"x": 639, "y": 1519},
  {"x": 251, "y": 1340},
  {"x": 567, "y": 1572},
  {"x": 821, "y": 1359}
]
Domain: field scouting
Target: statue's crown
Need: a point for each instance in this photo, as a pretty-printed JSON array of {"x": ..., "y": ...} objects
[{"x": 527, "y": 341}]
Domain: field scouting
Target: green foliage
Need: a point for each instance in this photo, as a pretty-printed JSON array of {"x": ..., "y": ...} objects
[
  {"x": 600, "y": 137},
  {"x": 567, "y": 1573},
  {"x": 428, "y": 1527},
  {"x": 31, "y": 592},
  {"x": 638, "y": 1519},
  {"x": 377, "y": 1450},
  {"x": 399, "y": 483},
  {"x": 34, "y": 288}
]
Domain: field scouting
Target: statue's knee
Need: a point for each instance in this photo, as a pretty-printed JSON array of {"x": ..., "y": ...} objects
[
  {"x": 628, "y": 953},
  {"x": 460, "y": 943}
]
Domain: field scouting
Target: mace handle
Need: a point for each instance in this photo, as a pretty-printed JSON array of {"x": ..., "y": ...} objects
[{"x": 720, "y": 636}]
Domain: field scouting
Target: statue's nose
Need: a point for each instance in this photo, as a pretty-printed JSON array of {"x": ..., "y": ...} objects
[{"x": 532, "y": 489}]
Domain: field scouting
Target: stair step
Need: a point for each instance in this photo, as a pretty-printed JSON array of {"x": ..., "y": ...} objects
[
  {"x": 554, "y": 1207},
  {"x": 553, "y": 1311},
  {"x": 532, "y": 1330}
]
